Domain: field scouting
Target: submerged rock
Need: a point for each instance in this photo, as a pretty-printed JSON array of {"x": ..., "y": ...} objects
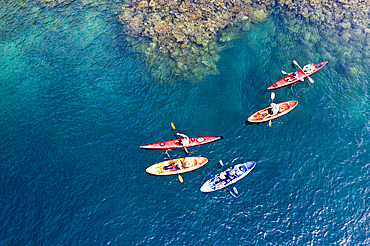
[
  {"x": 342, "y": 14},
  {"x": 187, "y": 29},
  {"x": 259, "y": 15},
  {"x": 187, "y": 35}
]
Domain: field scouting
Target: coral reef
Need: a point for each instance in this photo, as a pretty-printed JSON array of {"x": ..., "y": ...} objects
[
  {"x": 341, "y": 14},
  {"x": 344, "y": 29},
  {"x": 187, "y": 35},
  {"x": 185, "y": 32}
]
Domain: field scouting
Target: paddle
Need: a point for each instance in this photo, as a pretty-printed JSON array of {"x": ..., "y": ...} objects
[
  {"x": 178, "y": 175},
  {"x": 272, "y": 99},
  {"x": 173, "y": 127},
  {"x": 296, "y": 63},
  {"x": 221, "y": 163},
  {"x": 231, "y": 193}
]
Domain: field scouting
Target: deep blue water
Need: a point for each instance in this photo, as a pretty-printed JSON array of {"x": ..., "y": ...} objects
[{"x": 76, "y": 104}]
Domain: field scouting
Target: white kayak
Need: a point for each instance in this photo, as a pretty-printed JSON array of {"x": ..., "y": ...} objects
[{"x": 221, "y": 180}]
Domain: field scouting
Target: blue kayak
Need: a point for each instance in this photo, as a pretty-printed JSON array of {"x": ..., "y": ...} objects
[{"x": 228, "y": 177}]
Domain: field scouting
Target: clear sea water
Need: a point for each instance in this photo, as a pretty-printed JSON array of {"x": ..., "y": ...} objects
[{"x": 76, "y": 103}]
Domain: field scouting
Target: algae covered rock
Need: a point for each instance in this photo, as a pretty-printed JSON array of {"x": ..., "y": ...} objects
[
  {"x": 259, "y": 15},
  {"x": 184, "y": 31},
  {"x": 189, "y": 34},
  {"x": 342, "y": 14}
]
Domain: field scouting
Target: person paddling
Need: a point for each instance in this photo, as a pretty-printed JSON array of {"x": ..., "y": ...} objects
[
  {"x": 185, "y": 141},
  {"x": 308, "y": 68},
  {"x": 231, "y": 172},
  {"x": 294, "y": 74},
  {"x": 274, "y": 109},
  {"x": 178, "y": 165},
  {"x": 224, "y": 176}
]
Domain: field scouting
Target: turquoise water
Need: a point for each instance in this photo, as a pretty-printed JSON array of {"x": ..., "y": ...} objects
[{"x": 77, "y": 102}]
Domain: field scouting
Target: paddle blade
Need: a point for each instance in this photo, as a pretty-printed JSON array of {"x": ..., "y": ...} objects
[
  {"x": 272, "y": 95},
  {"x": 311, "y": 80},
  {"x": 283, "y": 72},
  {"x": 186, "y": 150},
  {"x": 173, "y": 126},
  {"x": 296, "y": 63},
  {"x": 235, "y": 191},
  {"x": 231, "y": 193},
  {"x": 180, "y": 178},
  {"x": 270, "y": 123},
  {"x": 221, "y": 163}
]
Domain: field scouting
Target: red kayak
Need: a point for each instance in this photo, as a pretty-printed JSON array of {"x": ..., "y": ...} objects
[
  {"x": 299, "y": 75},
  {"x": 175, "y": 143}
]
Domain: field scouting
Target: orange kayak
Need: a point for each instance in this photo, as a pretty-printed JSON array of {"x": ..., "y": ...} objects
[
  {"x": 265, "y": 115},
  {"x": 169, "y": 167}
]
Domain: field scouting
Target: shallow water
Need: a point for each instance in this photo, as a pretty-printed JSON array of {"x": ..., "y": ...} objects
[{"x": 76, "y": 104}]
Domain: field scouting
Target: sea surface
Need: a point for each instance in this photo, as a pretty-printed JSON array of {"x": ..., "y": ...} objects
[{"x": 76, "y": 103}]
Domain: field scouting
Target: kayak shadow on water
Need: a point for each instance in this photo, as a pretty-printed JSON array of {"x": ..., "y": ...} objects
[
  {"x": 252, "y": 123},
  {"x": 257, "y": 123}
]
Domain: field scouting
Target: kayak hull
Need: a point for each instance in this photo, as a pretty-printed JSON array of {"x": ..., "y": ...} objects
[
  {"x": 241, "y": 170},
  {"x": 168, "y": 167},
  {"x": 287, "y": 80},
  {"x": 175, "y": 143},
  {"x": 264, "y": 115}
]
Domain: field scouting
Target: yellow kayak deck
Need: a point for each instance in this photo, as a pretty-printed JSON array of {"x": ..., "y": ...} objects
[{"x": 169, "y": 167}]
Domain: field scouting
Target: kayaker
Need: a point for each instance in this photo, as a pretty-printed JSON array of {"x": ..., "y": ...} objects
[
  {"x": 185, "y": 141},
  {"x": 308, "y": 68},
  {"x": 294, "y": 74},
  {"x": 223, "y": 176},
  {"x": 178, "y": 164},
  {"x": 231, "y": 172},
  {"x": 274, "y": 109}
]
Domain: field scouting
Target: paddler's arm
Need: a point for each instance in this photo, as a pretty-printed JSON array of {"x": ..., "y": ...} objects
[{"x": 183, "y": 135}]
